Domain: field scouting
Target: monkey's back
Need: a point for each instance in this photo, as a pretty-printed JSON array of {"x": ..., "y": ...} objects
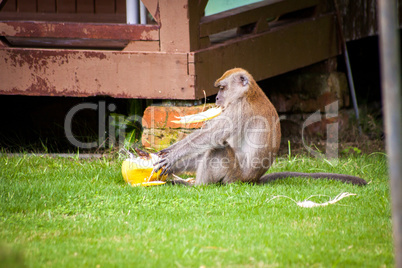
[{"x": 262, "y": 134}]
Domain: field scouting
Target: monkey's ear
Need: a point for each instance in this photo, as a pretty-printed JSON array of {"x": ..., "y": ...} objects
[{"x": 244, "y": 80}]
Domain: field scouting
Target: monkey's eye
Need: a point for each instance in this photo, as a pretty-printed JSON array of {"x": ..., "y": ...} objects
[{"x": 221, "y": 88}]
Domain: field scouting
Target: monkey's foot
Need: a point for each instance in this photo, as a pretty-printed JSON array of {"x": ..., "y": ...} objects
[
  {"x": 190, "y": 180},
  {"x": 178, "y": 180}
]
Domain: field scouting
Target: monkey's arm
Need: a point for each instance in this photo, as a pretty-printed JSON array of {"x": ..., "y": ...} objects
[
  {"x": 181, "y": 143},
  {"x": 331, "y": 176},
  {"x": 213, "y": 135}
]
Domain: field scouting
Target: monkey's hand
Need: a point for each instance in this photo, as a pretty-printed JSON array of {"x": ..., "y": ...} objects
[
  {"x": 163, "y": 153},
  {"x": 165, "y": 163}
]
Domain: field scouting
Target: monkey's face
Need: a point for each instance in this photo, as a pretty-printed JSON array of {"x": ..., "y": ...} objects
[
  {"x": 220, "y": 97},
  {"x": 232, "y": 87}
]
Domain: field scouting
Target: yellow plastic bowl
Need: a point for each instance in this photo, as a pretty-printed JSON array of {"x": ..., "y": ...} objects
[{"x": 137, "y": 173}]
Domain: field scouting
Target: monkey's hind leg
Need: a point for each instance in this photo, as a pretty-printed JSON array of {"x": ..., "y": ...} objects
[
  {"x": 189, "y": 164},
  {"x": 218, "y": 165}
]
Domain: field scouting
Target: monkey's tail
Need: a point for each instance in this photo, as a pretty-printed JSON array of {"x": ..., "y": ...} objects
[{"x": 331, "y": 176}]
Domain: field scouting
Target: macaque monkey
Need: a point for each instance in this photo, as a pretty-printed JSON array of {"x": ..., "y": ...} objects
[{"x": 238, "y": 145}]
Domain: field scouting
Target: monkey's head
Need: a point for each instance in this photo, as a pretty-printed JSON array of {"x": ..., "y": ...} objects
[{"x": 233, "y": 86}]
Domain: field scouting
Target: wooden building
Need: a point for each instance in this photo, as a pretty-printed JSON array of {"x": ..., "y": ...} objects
[{"x": 86, "y": 48}]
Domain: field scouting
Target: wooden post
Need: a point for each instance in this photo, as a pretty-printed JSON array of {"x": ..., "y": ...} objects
[{"x": 179, "y": 21}]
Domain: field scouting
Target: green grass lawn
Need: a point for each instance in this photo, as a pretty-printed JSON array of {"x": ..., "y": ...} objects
[{"x": 80, "y": 213}]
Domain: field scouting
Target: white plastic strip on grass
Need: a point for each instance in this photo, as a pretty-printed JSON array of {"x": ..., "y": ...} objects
[{"x": 310, "y": 204}]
